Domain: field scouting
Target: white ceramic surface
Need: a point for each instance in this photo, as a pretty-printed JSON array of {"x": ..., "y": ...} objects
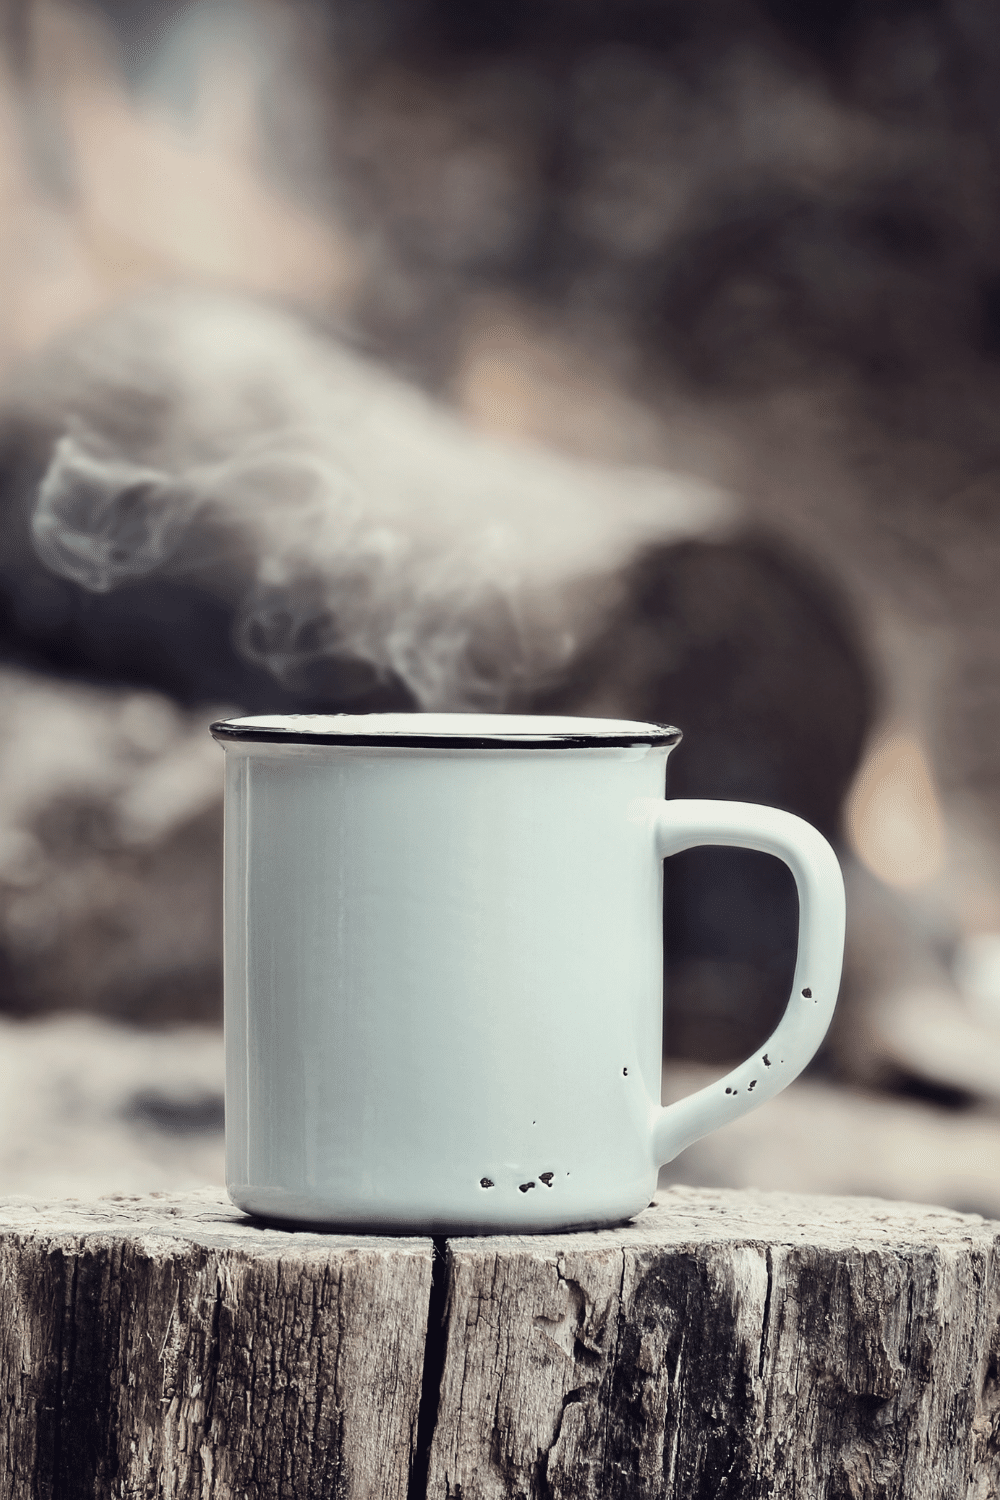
[{"x": 444, "y": 969}]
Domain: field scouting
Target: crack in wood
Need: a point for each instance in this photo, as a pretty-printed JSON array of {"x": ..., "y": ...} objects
[
  {"x": 435, "y": 1352},
  {"x": 766, "y": 1319}
]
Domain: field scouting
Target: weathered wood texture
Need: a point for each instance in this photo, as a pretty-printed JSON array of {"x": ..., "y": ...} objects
[
  {"x": 165, "y": 1347},
  {"x": 723, "y": 1345},
  {"x": 726, "y": 1346}
]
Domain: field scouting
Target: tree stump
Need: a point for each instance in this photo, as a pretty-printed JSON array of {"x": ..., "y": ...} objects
[
  {"x": 168, "y": 1347},
  {"x": 723, "y": 1344}
]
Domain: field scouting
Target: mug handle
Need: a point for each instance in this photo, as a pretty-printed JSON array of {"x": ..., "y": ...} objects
[{"x": 682, "y": 824}]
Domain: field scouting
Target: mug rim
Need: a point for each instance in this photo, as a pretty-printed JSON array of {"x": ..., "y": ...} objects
[{"x": 563, "y": 731}]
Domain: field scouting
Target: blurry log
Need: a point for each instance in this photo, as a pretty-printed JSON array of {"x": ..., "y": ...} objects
[
  {"x": 723, "y": 1344},
  {"x": 110, "y": 853}
]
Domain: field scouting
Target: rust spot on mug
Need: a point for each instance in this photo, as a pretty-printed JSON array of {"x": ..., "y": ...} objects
[
  {"x": 766, "y": 1060},
  {"x": 524, "y": 1186},
  {"x": 624, "y": 1072},
  {"x": 808, "y": 993},
  {"x": 751, "y": 1085},
  {"x": 486, "y": 1182},
  {"x": 546, "y": 1177}
]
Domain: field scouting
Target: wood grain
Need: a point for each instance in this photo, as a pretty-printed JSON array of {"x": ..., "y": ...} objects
[
  {"x": 726, "y": 1345},
  {"x": 168, "y": 1347},
  {"x": 722, "y": 1345}
]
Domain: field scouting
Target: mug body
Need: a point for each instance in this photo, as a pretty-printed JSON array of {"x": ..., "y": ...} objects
[{"x": 443, "y": 971}]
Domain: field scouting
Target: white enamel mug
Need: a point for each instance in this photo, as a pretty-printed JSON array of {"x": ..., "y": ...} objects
[{"x": 443, "y": 968}]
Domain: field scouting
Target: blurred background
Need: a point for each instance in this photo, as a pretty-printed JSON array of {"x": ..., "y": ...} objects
[{"x": 635, "y": 358}]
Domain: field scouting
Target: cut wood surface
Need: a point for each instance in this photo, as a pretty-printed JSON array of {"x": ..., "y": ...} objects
[
  {"x": 723, "y": 1344},
  {"x": 726, "y": 1345},
  {"x": 167, "y": 1347}
]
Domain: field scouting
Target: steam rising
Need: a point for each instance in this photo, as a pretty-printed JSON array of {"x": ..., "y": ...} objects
[
  {"x": 102, "y": 520},
  {"x": 344, "y": 514}
]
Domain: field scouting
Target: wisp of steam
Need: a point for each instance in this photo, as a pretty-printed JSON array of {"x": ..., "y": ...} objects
[{"x": 342, "y": 513}]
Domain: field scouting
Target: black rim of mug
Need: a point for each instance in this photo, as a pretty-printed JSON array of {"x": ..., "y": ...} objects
[{"x": 232, "y": 731}]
